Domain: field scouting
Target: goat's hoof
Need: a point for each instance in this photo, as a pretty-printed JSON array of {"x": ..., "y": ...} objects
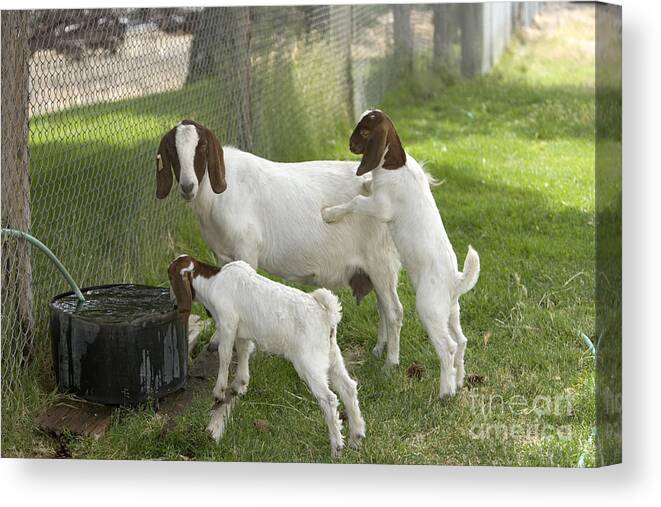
[
  {"x": 214, "y": 432},
  {"x": 219, "y": 395},
  {"x": 389, "y": 367},
  {"x": 377, "y": 351},
  {"x": 329, "y": 215},
  {"x": 356, "y": 440},
  {"x": 459, "y": 376},
  {"x": 212, "y": 347},
  {"x": 239, "y": 389},
  {"x": 447, "y": 393},
  {"x": 336, "y": 452}
]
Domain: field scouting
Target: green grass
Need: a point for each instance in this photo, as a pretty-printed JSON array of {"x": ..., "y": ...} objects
[{"x": 515, "y": 151}]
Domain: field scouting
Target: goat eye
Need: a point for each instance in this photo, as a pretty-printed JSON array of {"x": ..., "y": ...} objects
[{"x": 364, "y": 133}]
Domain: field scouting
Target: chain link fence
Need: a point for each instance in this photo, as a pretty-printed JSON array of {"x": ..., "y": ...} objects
[{"x": 87, "y": 94}]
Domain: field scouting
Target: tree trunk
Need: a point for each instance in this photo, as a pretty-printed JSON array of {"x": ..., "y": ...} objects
[
  {"x": 16, "y": 268},
  {"x": 403, "y": 39},
  {"x": 221, "y": 50},
  {"x": 209, "y": 41},
  {"x": 444, "y": 32}
]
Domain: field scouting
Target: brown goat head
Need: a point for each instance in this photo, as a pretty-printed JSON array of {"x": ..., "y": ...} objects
[
  {"x": 208, "y": 156},
  {"x": 374, "y": 136},
  {"x": 180, "y": 273}
]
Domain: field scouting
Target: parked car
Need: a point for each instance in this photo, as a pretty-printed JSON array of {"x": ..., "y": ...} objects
[{"x": 74, "y": 32}]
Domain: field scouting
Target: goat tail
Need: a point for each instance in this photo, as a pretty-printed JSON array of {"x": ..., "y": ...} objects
[
  {"x": 332, "y": 305},
  {"x": 468, "y": 278}
]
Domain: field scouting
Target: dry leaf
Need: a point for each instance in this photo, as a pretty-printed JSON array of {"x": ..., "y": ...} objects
[
  {"x": 262, "y": 425},
  {"x": 474, "y": 379},
  {"x": 487, "y": 335},
  {"x": 415, "y": 371}
]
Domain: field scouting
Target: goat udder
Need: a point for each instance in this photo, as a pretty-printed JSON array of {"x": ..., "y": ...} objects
[{"x": 360, "y": 284}]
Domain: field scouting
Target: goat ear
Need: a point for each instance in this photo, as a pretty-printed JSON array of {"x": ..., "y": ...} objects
[
  {"x": 215, "y": 163},
  {"x": 373, "y": 153},
  {"x": 396, "y": 156},
  {"x": 181, "y": 286},
  {"x": 164, "y": 167}
]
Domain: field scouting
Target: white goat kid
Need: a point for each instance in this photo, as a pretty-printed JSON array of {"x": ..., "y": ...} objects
[
  {"x": 249, "y": 308},
  {"x": 401, "y": 197},
  {"x": 267, "y": 214}
]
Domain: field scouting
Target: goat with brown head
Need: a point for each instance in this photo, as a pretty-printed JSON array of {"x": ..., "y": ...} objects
[
  {"x": 189, "y": 150},
  {"x": 401, "y": 199},
  {"x": 374, "y": 137},
  {"x": 182, "y": 271},
  {"x": 180, "y": 274}
]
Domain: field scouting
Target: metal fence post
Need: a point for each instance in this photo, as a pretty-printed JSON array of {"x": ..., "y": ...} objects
[{"x": 17, "y": 295}]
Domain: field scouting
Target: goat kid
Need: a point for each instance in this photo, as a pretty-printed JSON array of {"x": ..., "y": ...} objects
[
  {"x": 267, "y": 214},
  {"x": 249, "y": 310},
  {"x": 401, "y": 197}
]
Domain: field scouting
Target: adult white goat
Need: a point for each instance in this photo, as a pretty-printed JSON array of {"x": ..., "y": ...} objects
[
  {"x": 267, "y": 214},
  {"x": 401, "y": 197}
]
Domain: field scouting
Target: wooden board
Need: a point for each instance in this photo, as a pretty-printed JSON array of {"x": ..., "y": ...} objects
[{"x": 75, "y": 417}]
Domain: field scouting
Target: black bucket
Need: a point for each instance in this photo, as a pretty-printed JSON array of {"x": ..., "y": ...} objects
[{"x": 115, "y": 359}]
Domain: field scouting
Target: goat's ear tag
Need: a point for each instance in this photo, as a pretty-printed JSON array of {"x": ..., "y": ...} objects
[{"x": 159, "y": 161}]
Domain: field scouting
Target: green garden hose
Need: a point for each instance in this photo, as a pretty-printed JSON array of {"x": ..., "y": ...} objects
[{"x": 51, "y": 256}]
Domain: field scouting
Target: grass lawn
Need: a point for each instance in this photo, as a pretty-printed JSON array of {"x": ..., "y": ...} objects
[{"x": 515, "y": 152}]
